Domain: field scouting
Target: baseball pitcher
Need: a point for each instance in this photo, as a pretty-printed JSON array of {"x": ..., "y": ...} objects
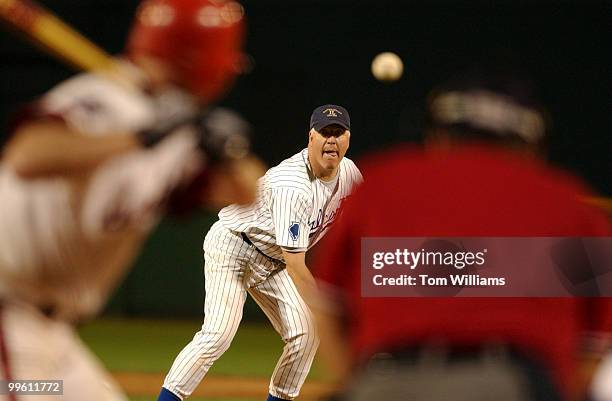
[{"x": 260, "y": 249}]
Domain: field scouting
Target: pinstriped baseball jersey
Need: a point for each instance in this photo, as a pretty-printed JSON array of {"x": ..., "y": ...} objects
[{"x": 293, "y": 209}]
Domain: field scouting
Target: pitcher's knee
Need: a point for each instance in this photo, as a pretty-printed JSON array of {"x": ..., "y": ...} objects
[
  {"x": 212, "y": 344},
  {"x": 304, "y": 340}
]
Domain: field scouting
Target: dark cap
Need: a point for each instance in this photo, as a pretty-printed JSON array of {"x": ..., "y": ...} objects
[{"x": 329, "y": 114}]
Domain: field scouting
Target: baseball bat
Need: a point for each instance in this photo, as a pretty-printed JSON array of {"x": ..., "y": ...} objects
[{"x": 54, "y": 36}]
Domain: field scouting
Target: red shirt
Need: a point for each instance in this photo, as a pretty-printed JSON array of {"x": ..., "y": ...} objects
[{"x": 476, "y": 190}]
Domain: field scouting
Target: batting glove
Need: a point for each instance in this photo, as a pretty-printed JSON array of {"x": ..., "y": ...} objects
[{"x": 223, "y": 135}]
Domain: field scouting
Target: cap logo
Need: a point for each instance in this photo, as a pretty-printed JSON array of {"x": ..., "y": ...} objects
[{"x": 331, "y": 112}]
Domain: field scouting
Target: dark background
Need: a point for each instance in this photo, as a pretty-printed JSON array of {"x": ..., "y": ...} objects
[{"x": 307, "y": 53}]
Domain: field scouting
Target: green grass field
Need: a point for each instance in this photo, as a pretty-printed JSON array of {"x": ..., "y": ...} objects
[{"x": 137, "y": 345}]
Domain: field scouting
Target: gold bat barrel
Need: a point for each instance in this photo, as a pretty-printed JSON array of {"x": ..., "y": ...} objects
[{"x": 54, "y": 35}]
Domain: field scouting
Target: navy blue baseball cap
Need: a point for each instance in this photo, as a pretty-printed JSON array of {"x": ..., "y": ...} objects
[{"x": 329, "y": 114}]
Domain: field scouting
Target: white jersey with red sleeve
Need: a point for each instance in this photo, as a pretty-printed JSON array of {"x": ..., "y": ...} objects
[{"x": 66, "y": 242}]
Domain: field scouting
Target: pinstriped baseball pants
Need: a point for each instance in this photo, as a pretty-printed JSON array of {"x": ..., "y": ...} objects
[{"x": 233, "y": 268}]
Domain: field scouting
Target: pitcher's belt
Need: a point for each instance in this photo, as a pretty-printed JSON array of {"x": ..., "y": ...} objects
[{"x": 246, "y": 239}]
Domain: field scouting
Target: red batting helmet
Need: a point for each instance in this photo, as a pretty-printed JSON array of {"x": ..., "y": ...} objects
[{"x": 201, "y": 40}]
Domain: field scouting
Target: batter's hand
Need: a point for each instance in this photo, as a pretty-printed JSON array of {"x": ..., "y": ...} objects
[
  {"x": 224, "y": 135},
  {"x": 231, "y": 172}
]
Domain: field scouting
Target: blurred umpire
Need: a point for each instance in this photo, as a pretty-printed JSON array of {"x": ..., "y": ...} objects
[
  {"x": 90, "y": 168},
  {"x": 478, "y": 175}
]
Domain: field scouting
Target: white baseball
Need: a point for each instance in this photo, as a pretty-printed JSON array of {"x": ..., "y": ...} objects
[{"x": 387, "y": 67}]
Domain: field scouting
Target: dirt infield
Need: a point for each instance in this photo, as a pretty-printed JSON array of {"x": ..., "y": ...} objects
[{"x": 216, "y": 386}]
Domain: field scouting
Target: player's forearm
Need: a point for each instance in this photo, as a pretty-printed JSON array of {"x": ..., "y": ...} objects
[
  {"x": 47, "y": 149},
  {"x": 303, "y": 280},
  {"x": 333, "y": 350}
]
